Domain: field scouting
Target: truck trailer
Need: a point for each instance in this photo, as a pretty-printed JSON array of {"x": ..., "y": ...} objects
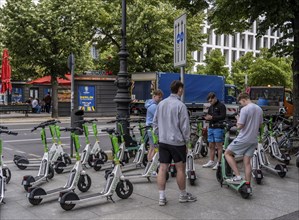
[{"x": 196, "y": 90}]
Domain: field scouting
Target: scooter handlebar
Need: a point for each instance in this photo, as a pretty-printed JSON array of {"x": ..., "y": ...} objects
[
  {"x": 8, "y": 132},
  {"x": 3, "y": 127},
  {"x": 46, "y": 123},
  {"x": 86, "y": 121},
  {"x": 71, "y": 129}
]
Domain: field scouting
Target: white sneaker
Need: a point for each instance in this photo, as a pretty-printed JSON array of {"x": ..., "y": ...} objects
[
  {"x": 216, "y": 166},
  {"x": 235, "y": 180},
  {"x": 208, "y": 164}
]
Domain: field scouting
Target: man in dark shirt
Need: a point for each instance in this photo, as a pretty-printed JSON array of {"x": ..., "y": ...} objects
[
  {"x": 216, "y": 115},
  {"x": 47, "y": 99}
]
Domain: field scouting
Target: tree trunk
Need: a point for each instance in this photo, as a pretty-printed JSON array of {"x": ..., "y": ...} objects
[
  {"x": 295, "y": 67},
  {"x": 54, "y": 97}
]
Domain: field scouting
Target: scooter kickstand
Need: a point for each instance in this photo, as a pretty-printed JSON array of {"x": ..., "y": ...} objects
[
  {"x": 110, "y": 198},
  {"x": 149, "y": 179}
]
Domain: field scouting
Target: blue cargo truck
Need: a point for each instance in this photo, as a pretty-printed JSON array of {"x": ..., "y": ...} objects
[{"x": 196, "y": 90}]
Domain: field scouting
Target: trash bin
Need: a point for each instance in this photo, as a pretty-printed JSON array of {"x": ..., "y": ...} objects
[{"x": 77, "y": 116}]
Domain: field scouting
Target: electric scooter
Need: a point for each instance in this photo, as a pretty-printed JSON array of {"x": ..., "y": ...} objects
[
  {"x": 199, "y": 139},
  {"x": 61, "y": 166},
  {"x": 272, "y": 145},
  {"x": 190, "y": 167},
  {"x": 115, "y": 182},
  {"x": 96, "y": 151},
  {"x": 224, "y": 171},
  {"x": 46, "y": 170},
  {"x": 22, "y": 162},
  {"x": 77, "y": 177},
  {"x": 279, "y": 169},
  {"x": 5, "y": 174},
  {"x": 256, "y": 170},
  {"x": 150, "y": 167}
]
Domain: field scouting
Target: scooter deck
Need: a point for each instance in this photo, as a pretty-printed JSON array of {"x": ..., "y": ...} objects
[
  {"x": 56, "y": 190},
  {"x": 90, "y": 196}
]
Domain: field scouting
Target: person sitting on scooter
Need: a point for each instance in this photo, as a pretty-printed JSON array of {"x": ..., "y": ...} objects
[
  {"x": 151, "y": 106},
  {"x": 216, "y": 115},
  {"x": 249, "y": 122}
]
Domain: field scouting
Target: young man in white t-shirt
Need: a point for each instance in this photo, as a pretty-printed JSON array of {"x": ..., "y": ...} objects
[{"x": 249, "y": 122}]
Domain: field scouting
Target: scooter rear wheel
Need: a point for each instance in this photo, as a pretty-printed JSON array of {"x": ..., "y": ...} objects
[
  {"x": 219, "y": 176},
  {"x": 192, "y": 182},
  {"x": 23, "y": 161},
  {"x": 280, "y": 168},
  {"x": 59, "y": 167},
  {"x": 84, "y": 183},
  {"x": 69, "y": 197},
  {"x": 123, "y": 191},
  {"x": 6, "y": 172},
  {"x": 97, "y": 165}
]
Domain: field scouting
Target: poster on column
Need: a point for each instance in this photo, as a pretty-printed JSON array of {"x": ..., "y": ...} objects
[{"x": 87, "y": 98}]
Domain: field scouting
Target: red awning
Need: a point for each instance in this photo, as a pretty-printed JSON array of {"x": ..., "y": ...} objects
[
  {"x": 47, "y": 80},
  {"x": 5, "y": 72}
]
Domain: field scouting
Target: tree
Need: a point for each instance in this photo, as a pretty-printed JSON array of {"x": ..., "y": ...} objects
[
  {"x": 149, "y": 35},
  {"x": 41, "y": 36},
  {"x": 215, "y": 62},
  {"x": 263, "y": 70},
  {"x": 240, "y": 69},
  {"x": 236, "y": 16}
]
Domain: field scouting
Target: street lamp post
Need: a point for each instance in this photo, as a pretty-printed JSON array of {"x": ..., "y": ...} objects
[{"x": 123, "y": 82}]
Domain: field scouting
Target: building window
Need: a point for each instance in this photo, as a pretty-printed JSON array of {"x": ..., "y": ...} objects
[
  {"x": 234, "y": 40},
  {"x": 210, "y": 36},
  {"x": 272, "y": 42},
  {"x": 226, "y": 55},
  {"x": 242, "y": 53},
  {"x": 242, "y": 41},
  {"x": 199, "y": 56},
  {"x": 250, "y": 42},
  {"x": 234, "y": 56},
  {"x": 218, "y": 39},
  {"x": 265, "y": 45},
  {"x": 258, "y": 43},
  {"x": 225, "y": 40}
]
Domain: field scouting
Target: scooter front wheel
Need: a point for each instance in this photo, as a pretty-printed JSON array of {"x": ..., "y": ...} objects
[
  {"x": 244, "y": 191},
  {"x": 84, "y": 183},
  {"x": 124, "y": 189},
  {"x": 50, "y": 172},
  {"x": 104, "y": 157}
]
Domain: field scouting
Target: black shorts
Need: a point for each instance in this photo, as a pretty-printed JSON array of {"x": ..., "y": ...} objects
[{"x": 167, "y": 153}]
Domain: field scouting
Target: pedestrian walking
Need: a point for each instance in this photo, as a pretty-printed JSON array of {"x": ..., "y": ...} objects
[
  {"x": 171, "y": 123},
  {"x": 249, "y": 122},
  {"x": 216, "y": 116}
]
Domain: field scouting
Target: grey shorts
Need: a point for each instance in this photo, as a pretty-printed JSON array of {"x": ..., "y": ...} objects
[{"x": 241, "y": 148}]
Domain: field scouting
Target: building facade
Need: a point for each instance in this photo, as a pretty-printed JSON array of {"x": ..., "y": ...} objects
[{"x": 234, "y": 46}]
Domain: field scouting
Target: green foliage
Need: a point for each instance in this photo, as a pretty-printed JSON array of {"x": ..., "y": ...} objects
[
  {"x": 41, "y": 37},
  {"x": 264, "y": 70},
  {"x": 263, "y": 73},
  {"x": 215, "y": 64},
  {"x": 149, "y": 35}
]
